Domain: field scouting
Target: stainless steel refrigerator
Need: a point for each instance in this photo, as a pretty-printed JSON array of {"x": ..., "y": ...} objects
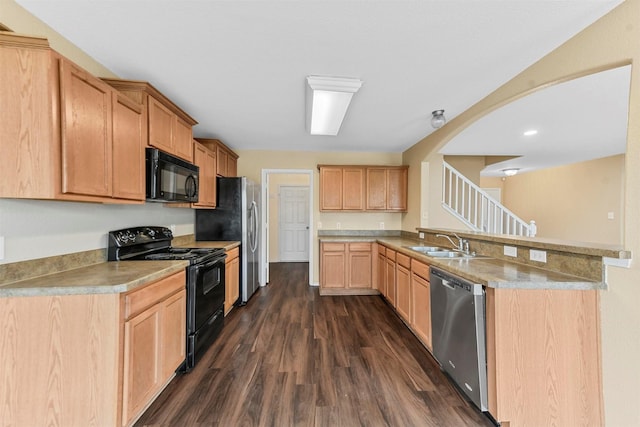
[{"x": 236, "y": 217}]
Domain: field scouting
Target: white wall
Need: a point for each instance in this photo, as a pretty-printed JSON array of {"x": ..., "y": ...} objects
[{"x": 35, "y": 229}]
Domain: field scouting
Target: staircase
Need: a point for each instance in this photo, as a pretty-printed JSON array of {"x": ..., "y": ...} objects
[{"x": 477, "y": 209}]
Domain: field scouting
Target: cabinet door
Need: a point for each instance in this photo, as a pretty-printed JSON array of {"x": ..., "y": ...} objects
[
  {"x": 397, "y": 182},
  {"x": 376, "y": 188},
  {"x": 403, "y": 292},
  {"x": 141, "y": 361},
  {"x": 231, "y": 279},
  {"x": 330, "y": 188},
  {"x": 359, "y": 265},
  {"x": 183, "y": 140},
  {"x": 421, "y": 309},
  {"x": 232, "y": 166},
  {"x": 173, "y": 334},
  {"x": 391, "y": 281},
  {"x": 86, "y": 132},
  {"x": 206, "y": 160},
  {"x": 234, "y": 279},
  {"x": 161, "y": 126},
  {"x": 334, "y": 264},
  {"x": 353, "y": 189},
  {"x": 129, "y": 139},
  {"x": 222, "y": 157},
  {"x": 382, "y": 274}
]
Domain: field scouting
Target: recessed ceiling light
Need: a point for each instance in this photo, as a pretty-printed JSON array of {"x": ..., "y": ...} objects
[{"x": 530, "y": 132}]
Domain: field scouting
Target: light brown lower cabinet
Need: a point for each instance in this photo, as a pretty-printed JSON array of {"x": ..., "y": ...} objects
[
  {"x": 154, "y": 342},
  {"x": 107, "y": 355},
  {"x": 390, "y": 273},
  {"x": 346, "y": 268},
  {"x": 543, "y": 357},
  {"x": 231, "y": 279},
  {"x": 381, "y": 268},
  {"x": 421, "y": 302},
  {"x": 403, "y": 286}
]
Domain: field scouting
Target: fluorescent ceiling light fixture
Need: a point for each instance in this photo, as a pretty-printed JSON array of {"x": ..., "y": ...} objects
[
  {"x": 530, "y": 132},
  {"x": 330, "y": 98},
  {"x": 510, "y": 171}
]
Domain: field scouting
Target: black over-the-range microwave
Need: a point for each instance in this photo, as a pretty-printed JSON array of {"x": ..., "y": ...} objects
[{"x": 170, "y": 179}]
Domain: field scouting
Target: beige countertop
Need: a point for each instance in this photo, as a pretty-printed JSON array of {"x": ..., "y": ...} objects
[
  {"x": 491, "y": 272},
  {"x": 103, "y": 278}
]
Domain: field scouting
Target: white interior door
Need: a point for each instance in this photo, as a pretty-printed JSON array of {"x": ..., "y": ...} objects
[{"x": 294, "y": 223}]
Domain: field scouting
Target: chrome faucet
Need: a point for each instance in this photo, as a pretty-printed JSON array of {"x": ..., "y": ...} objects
[{"x": 462, "y": 245}]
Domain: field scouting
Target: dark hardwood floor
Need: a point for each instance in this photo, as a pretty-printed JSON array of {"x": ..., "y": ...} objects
[{"x": 293, "y": 358}]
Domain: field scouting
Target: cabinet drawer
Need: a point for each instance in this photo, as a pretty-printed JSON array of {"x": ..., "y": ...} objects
[
  {"x": 420, "y": 268},
  {"x": 360, "y": 247},
  {"x": 403, "y": 260},
  {"x": 391, "y": 254},
  {"x": 138, "y": 300},
  {"x": 382, "y": 250},
  {"x": 333, "y": 247},
  {"x": 233, "y": 253}
]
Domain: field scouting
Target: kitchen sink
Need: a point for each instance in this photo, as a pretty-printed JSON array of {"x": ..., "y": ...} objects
[
  {"x": 448, "y": 254},
  {"x": 425, "y": 249},
  {"x": 438, "y": 252}
]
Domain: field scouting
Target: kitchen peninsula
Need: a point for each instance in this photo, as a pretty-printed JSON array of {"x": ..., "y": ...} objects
[{"x": 542, "y": 324}]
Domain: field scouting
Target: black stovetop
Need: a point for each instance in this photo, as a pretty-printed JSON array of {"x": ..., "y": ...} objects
[{"x": 154, "y": 243}]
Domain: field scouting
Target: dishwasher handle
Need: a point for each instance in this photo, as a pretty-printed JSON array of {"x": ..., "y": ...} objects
[
  {"x": 453, "y": 282},
  {"x": 447, "y": 283}
]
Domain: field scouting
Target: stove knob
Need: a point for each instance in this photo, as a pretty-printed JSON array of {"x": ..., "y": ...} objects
[{"x": 151, "y": 232}]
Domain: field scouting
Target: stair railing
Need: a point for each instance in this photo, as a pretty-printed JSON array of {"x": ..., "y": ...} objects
[{"x": 477, "y": 209}]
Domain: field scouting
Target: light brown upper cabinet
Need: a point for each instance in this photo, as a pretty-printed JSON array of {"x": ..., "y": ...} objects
[
  {"x": 341, "y": 188},
  {"x": 129, "y": 140},
  {"x": 63, "y": 130},
  {"x": 227, "y": 160},
  {"x": 205, "y": 159},
  {"x": 86, "y": 132},
  {"x": 169, "y": 127},
  {"x": 363, "y": 188},
  {"x": 387, "y": 188}
]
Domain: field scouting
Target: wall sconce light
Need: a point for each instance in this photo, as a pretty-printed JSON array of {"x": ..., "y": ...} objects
[
  {"x": 438, "y": 119},
  {"x": 329, "y": 98},
  {"x": 510, "y": 171}
]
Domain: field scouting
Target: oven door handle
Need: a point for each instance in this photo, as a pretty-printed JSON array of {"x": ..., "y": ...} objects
[{"x": 211, "y": 263}]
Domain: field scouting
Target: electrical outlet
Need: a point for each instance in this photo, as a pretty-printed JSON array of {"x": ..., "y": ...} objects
[
  {"x": 539, "y": 256},
  {"x": 382, "y": 226},
  {"x": 610, "y": 215},
  {"x": 338, "y": 226},
  {"x": 319, "y": 225},
  {"x": 421, "y": 235},
  {"x": 1, "y": 247},
  {"x": 511, "y": 251}
]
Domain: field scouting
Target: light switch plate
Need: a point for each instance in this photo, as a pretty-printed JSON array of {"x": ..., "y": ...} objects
[
  {"x": 511, "y": 251},
  {"x": 338, "y": 226},
  {"x": 535, "y": 255},
  {"x": 382, "y": 226},
  {"x": 421, "y": 235}
]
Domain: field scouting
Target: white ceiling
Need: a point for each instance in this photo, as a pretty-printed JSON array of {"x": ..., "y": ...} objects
[
  {"x": 239, "y": 67},
  {"x": 579, "y": 120}
]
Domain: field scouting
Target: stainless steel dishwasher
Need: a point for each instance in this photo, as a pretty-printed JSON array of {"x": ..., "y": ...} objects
[{"x": 458, "y": 332}]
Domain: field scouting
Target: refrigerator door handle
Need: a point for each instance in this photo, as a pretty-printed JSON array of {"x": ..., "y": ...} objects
[{"x": 254, "y": 226}]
